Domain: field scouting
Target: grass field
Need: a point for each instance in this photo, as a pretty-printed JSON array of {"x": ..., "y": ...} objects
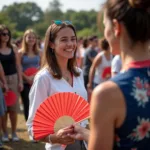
[{"x": 24, "y": 143}]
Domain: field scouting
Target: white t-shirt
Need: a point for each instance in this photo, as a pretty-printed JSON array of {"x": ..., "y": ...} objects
[
  {"x": 45, "y": 85},
  {"x": 116, "y": 64},
  {"x": 99, "y": 69}
]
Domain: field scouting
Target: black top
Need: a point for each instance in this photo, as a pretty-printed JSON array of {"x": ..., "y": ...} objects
[{"x": 9, "y": 63}]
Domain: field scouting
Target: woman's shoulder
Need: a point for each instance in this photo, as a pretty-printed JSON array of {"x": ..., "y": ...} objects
[{"x": 43, "y": 74}]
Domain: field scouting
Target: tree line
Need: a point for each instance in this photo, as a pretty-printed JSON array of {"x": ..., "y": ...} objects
[{"x": 21, "y": 16}]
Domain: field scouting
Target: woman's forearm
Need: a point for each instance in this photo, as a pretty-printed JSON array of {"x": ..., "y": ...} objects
[
  {"x": 86, "y": 134},
  {"x": 19, "y": 72}
]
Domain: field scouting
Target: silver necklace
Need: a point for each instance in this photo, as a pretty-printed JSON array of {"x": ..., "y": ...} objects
[{"x": 66, "y": 77}]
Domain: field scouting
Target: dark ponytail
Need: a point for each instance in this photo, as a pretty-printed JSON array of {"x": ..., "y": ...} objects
[{"x": 134, "y": 14}]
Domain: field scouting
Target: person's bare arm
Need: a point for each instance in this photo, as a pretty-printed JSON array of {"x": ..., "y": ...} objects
[
  {"x": 19, "y": 69},
  {"x": 2, "y": 78},
  {"x": 107, "y": 113},
  {"x": 95, "y": 63}
]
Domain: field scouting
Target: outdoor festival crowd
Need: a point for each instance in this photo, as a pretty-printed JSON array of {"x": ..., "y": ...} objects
[{"x": 111, "y": 73}]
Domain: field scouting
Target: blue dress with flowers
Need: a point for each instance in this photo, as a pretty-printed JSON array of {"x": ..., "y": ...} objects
[{"x": 134, "y": 83}]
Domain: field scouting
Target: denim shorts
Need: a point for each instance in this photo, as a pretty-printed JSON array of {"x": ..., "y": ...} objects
[{"x": 2, "y": 103}]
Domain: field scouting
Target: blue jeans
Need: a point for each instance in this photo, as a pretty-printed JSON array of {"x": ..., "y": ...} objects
[{"x": 2, "y": 103}]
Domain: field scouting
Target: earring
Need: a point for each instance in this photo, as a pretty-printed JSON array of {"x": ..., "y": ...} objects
[{"x": 52, "y": 50}]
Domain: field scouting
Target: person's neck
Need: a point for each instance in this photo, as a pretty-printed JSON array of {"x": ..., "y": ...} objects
[
  {"x": 63, "y": 65},
  {"x": 3, "y": 45},
  {"x": 140, "y": 52},
  {"x": 107, "y": 52},
  {"x": 30, "y": 48}
]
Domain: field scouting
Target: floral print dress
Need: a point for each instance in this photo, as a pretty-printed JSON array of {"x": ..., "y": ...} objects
[{"x": 134, "y": 83}]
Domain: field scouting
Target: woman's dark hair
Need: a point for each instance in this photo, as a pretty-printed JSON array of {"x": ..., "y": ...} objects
[
  {"x": 2, "y": 28},
  {"x": 104, "y": 44},
  {"x": 134, "y": 14},
  {"x": 49, "y": 59}
]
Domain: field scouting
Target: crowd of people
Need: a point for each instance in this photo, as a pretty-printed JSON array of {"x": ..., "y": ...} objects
[{"x": 111, "y": 73}]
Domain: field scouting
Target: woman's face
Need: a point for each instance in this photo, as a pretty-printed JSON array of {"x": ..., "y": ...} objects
[
  {"x": 109, "y": 34},
  {"x": 4, "y": 36},
  {"x": 65, "y": 43},
  {"x": 30, "y": 39}
]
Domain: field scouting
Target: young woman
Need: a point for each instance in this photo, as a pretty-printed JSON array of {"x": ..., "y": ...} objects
[
  {"x": 30, "y": 56},
  {"x": 120, "y": 108},
  {"x": 12, "y": 68},
  {"x": 101, "y": 62},
  {"x": 58, "y": 74}
]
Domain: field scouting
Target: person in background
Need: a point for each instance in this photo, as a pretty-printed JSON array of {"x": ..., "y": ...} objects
[
  {"x": 78, "y": 53},
  {"x": 30, "y": 56},
  {"x": 83, "y": 48},
  {"x": 89, "y": 56},
  {"x": 18, "y": 43},
  {"x": 116, "y": 65},
  {"x": 58, "y": 73},
  {"x": 100, "y": 63},
  {"x": 2, "y": 101},
  {"x": 12, "y": 69}
]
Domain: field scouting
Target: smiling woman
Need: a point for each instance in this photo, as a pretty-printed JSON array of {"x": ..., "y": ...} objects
[{"x": 58, "y": 74}]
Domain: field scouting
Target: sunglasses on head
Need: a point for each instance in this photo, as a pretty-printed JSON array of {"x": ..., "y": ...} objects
[
  {"x": 5, "y": 34},
  {"x": 59, "y": 22}
]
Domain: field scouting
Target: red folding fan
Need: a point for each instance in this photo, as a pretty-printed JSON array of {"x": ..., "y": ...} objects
[
  {"x": 106, "y": 73},
  {"x": 59, "y": 111},
  {"x": 10, "y": 98},
  {"x": 31, "y": 71}
]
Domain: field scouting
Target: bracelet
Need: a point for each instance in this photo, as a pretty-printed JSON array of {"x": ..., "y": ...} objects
[{"x": 49, "y": 139}]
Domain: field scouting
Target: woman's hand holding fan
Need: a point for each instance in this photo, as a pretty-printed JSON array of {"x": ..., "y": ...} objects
[
  {"x": 30, "y": 80},
  {"x": 30, "y": 73},
  {"x": 10, "y": 98},
  {"x": 57, "y": 112},
  {"x": 62, "y": 137}
]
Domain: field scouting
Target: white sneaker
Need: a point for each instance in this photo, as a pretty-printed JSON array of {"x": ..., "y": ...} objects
[
  {"x": 5, "y": 138},
  {"x": 15, "y": 137}
]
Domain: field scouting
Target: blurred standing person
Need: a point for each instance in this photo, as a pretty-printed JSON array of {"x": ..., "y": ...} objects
[
  {"x": 83, "y": 50},
  {"x": 89, "y": 56},
  {"x": 18, "y": 43},
  {"x": 78, "y": 53},
  {"x": 100, "y": 63},
  {"x": 30, "y": 56},
  {"x": 120, "y": 108},
  {"x": 12, "y": 68}
]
